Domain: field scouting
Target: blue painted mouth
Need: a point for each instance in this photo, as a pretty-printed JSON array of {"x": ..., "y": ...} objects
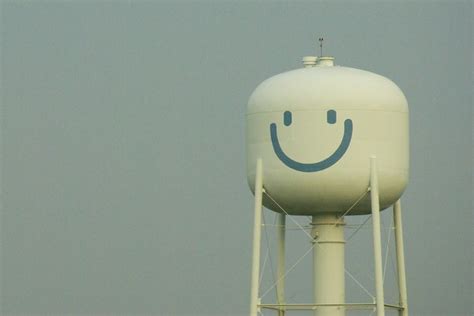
[{"x": 316, "y": 166}]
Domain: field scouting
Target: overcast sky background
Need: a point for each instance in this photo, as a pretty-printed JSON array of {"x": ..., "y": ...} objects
[{"x": 123, "y": 185}]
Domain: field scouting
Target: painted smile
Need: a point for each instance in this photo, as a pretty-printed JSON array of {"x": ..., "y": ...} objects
[{"x": 315, "y": 166}]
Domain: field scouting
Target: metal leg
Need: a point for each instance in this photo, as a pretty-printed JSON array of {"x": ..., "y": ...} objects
[
  {"x": 374, "y": 197},
  {"x": 402, "y": 284},
  {"x": 281, "y": 263},
  {"x": 257, "y": 230}
]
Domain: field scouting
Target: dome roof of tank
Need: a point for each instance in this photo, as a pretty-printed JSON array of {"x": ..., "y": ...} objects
[{"x": 311, "y": 87}]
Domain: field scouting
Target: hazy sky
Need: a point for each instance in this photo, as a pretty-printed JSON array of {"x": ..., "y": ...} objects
[{"x": 123, "y": 184}]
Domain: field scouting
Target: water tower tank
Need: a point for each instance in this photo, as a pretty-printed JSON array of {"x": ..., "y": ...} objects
[{"x": 315, "y": 130}]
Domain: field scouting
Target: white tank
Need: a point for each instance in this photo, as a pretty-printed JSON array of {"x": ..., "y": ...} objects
[{"x": 315, "y": 129}]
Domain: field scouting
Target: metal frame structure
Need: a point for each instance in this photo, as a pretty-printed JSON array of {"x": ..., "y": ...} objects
[
  {"x": 328, "y": 259},
  {"x": 315, "y": 307}
]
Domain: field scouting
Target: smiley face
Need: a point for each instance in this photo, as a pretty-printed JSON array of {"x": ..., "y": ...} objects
[{"x": 314, "y": 166}]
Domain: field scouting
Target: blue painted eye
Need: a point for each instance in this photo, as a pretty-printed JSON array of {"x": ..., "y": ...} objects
[
  {"x": 287, "y": 118},
  {"x": 331, "y": 116}
]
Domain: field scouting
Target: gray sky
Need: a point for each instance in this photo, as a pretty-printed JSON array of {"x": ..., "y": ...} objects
[{"x": 123, "y": 165}]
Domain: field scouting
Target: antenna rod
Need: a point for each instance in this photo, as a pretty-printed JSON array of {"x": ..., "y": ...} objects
[{"x": 321, "y": 46}]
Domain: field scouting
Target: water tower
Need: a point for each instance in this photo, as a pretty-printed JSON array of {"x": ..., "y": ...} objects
[{"x": 327, "y": 141}]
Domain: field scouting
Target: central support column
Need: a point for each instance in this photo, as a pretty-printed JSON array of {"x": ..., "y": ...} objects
[{"x": 328, "y": 264}]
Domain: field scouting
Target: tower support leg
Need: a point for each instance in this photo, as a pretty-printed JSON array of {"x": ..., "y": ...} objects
[
  {"x": 257, "y": 230},
  {"x": 402, "y": 284},
  {"x": 281, "y": 263},
  {"x": 374, "y": 197},
  {"x": 328, "y": 264}
]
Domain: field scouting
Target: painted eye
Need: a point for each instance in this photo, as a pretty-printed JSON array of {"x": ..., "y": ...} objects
[
  {"x": 287, "y": 118},
  {"x": 331, "y": 116}
]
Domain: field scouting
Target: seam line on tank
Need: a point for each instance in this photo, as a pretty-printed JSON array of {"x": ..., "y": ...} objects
[{"x": 322, "y": 110}]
